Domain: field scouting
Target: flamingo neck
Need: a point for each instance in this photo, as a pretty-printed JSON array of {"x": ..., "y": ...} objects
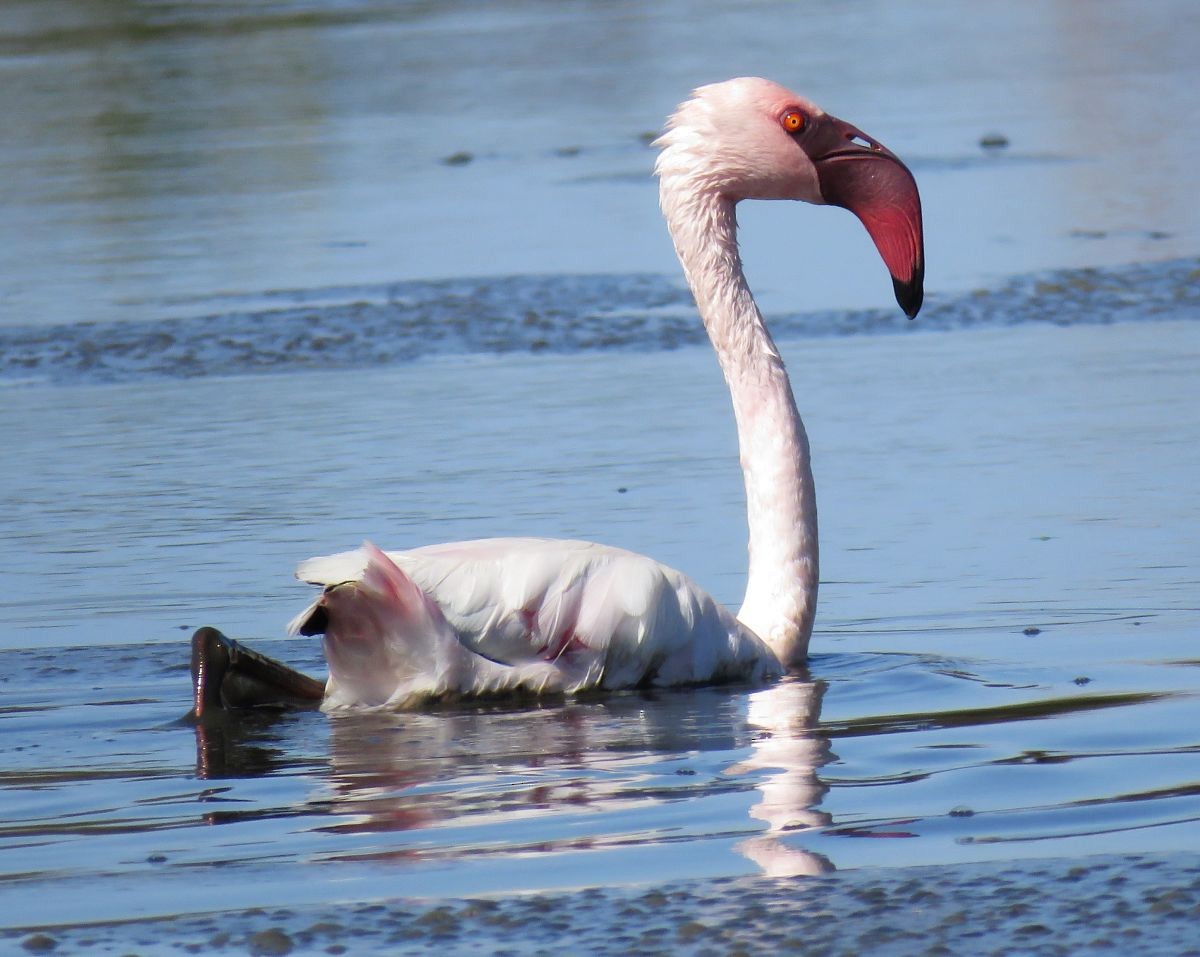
[{"x": 781, "y": 506}]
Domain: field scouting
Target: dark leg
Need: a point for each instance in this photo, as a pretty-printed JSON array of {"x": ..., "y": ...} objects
[{"x": 226, "y": 674}]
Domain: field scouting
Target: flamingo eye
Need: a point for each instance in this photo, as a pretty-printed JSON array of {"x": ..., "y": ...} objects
[{"x": 793, "y": 121}]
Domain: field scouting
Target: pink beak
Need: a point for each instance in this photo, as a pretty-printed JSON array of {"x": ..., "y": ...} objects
[{"x": 863, "y": 176}]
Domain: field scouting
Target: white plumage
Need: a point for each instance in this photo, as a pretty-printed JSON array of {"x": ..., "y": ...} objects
[
  {"x": 527, "y": 615},
  {"x": 538, "y": 616}
]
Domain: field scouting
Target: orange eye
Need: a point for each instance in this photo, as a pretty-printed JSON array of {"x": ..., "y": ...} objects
[{"x": 793, "y": 121}]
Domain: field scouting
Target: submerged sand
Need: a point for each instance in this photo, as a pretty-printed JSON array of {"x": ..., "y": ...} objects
[{"x": 1146, "y": 905}]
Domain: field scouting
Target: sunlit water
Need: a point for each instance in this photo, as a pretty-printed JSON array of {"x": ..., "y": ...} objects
[
  {"x": 1006, "y": 662},
  {"x": 1053, "y": 493}
]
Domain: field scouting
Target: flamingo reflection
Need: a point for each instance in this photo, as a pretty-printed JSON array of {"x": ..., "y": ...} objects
[
  {"x": 788, "y": 744},
  {"x": 515, "y": 780}
]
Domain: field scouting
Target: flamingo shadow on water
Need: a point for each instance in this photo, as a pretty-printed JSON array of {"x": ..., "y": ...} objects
[{"x": 537, "y": 617}]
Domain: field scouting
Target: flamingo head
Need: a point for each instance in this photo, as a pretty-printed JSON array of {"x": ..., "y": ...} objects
[{"x": 750, "y": 138}]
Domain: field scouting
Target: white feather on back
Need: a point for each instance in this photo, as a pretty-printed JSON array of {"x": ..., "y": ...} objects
[{"x": 600, "y": 617}]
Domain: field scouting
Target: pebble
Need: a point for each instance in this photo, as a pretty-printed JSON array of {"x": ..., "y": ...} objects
[{"x": 271, "y": 942}]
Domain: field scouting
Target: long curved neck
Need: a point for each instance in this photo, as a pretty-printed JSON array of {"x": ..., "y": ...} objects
[{"x": 781, "y": 506}]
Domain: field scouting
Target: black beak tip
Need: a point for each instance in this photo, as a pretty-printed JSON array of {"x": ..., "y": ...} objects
[{"x": 910, "y": 294}]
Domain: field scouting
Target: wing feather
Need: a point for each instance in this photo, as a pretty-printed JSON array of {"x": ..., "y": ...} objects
[{"x": 615, "y": 617}]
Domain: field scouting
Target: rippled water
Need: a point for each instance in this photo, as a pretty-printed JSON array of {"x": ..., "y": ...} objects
[
  {"x": 1005, "y": 661},
  {"x": 795, "y": 779},
  {"x": 162, "y": 153},
  {"x": 204, "y": 378}
]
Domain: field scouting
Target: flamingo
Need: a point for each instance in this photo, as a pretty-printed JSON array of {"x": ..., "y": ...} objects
[{"x": 543, "y": 616}]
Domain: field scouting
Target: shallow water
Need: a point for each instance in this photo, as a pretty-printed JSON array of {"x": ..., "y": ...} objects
[
  {"x": 161, "y": 155},
  {"x": 1053, "y": 493},
  {"x": 219, "y": 355}
]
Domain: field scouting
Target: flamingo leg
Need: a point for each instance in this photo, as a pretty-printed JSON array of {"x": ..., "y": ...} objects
[{"x": 226, "y": 675}]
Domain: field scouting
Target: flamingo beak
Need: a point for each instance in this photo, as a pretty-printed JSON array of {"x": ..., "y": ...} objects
[{"x": 863, "y": 176}]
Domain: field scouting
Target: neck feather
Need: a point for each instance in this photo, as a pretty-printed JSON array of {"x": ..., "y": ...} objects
[{"x": 781, "y": 508}]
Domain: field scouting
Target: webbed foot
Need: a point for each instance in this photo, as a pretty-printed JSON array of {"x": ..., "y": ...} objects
[{"x": 228, "y": 675}]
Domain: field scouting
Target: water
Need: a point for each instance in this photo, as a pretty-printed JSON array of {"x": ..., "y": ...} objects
[
  {"x": 931, "y": 729},
  {"x": 159, "y": 154},
  {"x": 207, "y": 377}
]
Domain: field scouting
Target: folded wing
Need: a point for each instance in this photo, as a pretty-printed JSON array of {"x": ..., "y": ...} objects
[{"x": 535, "y": 614}]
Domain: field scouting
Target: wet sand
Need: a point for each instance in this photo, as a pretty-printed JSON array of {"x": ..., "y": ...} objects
[{"x": 1101, "y": 904}]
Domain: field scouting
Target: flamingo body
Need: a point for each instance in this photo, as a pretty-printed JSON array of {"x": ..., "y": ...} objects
[
  {"x": 540, "y": 616},
  {"x": 498, "y": 616}
]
